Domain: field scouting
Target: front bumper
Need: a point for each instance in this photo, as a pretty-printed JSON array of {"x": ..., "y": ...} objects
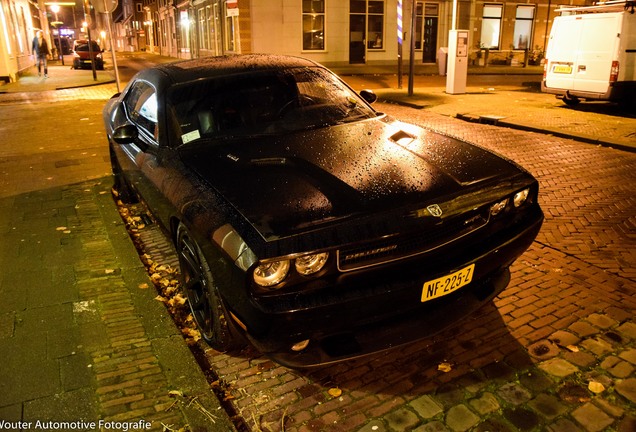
[{"x": 389, "y": 312}]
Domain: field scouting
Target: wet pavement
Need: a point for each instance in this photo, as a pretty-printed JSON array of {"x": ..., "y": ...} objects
[{"x": 556, "y": 351}]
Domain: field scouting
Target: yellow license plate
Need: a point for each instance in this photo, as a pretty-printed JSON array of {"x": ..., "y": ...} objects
[
  {"x": 564, "y": 69},
  {"x": 447, "y": 284}
]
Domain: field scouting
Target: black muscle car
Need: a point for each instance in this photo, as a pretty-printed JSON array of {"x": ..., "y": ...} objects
[{"x": 306, "y": 222}]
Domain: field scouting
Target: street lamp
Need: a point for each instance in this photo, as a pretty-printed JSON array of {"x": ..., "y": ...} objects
[{"x": 55, "y": 8}]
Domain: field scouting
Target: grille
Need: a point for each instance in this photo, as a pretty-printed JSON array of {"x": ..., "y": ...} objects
[{"x": 402, "y": 246}]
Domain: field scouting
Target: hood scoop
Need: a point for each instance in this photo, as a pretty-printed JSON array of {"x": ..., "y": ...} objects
[{"x": 402, "y": 138}]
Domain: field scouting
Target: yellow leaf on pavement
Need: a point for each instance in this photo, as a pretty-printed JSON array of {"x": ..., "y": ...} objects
[
  {"x": 596, "y": 387},
  {"x": 335, "y": 392},
  {"x": 444, "y": 367}
]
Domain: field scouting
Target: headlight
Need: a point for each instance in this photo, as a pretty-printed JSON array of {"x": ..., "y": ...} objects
[
  {"x": 498, "y": 207},
  {"x": 271, "y": 273},
  {"x": 310, "y": 264},
  {"x": 520, "y": 197}
]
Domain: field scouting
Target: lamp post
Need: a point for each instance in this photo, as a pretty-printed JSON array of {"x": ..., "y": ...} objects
[{"x": 55, "y": 8}]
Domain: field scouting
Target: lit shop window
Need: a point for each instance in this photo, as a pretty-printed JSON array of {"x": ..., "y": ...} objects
[
  {"x": 313, "y": 25},
  {"x": 491, "y": 26},
  {"x": 523, "y": 27}
]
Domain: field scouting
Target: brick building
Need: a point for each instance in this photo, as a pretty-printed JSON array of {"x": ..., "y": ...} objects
[{"x": 336, "y": 32}]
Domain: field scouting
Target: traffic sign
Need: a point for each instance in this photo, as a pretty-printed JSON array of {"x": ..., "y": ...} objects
[{"x": 104, "y": 6}]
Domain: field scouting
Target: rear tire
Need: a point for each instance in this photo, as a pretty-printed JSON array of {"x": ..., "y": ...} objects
[
  {"x": 206, "y": 305},
  {"x": 571, "y": 100}
]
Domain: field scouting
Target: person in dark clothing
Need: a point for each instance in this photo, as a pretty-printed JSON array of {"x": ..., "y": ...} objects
[{"x": 41, "y": 52}]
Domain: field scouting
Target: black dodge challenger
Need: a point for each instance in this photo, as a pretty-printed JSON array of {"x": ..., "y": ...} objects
[{"x": 306, "y": 222}]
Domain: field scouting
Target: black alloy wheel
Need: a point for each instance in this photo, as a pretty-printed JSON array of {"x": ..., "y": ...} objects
[{"x": 206, "y": 305}]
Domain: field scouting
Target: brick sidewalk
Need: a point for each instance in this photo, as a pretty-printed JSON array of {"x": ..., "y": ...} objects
[{"x": 80, "y": 337}]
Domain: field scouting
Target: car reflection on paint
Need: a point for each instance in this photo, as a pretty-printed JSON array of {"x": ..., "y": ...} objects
[{"x": 307, "y": 223}]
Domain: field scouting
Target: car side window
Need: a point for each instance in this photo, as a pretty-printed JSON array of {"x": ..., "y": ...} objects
[{"x": 141, "y": 104}]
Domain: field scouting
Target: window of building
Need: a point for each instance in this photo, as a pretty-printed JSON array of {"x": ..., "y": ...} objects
[
  {"x": 229, "y": 34},
  {"x": 491, "y": 26},
  {"x": 523, "y": 27},
  {"x": 313, "y": 25},
  {"x": 375, "y": 19},
  {"x": 139, "y": 7},
  {"x": 203, "y": 30},
  {"x": 373, "y": 12}
]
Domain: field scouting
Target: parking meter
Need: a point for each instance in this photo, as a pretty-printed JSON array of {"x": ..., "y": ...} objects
[{"x": 457, "y": 62}]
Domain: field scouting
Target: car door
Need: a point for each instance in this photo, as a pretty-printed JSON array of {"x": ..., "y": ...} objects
[{"x": 140, "y": 159}]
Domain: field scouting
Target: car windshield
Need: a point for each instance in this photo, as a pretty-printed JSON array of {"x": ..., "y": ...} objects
[
  {"x": 262, "y": 103},
  {"x": 84, "y": 47}
]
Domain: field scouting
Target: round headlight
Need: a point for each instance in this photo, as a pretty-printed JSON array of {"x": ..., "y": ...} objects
[
  {"x": 310, "y": 264},
  {"x": 498, "y": 207},
  {"x": 521, "y": 197},
  {"x": 271, "y": 273}
]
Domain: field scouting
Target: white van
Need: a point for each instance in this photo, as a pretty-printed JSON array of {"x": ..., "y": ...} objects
[{"x": 591, "y": 53}]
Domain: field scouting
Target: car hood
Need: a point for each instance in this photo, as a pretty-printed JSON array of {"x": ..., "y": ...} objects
[{"x": 283, "y": 185}]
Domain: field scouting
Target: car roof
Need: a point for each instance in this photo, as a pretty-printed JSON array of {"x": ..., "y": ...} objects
[{"x": 206, "y": 67}]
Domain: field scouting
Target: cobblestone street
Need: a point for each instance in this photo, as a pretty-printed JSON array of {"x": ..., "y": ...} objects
[{"x": 555, "y": 352}]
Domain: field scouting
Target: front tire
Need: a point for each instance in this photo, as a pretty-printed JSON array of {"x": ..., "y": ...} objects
[{"x": 206, "y": 305}]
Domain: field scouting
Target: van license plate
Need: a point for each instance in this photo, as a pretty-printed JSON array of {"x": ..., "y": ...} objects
[
  {"x": 562, "y": 69},
  {"x": 447, "y": 284}
]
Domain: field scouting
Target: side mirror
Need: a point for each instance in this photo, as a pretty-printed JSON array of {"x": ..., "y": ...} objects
[
  {"x": 125, "y": 134},
  {"x": 368, "y": 96}
]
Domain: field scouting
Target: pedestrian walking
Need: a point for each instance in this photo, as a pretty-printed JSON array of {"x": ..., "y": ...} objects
[{"x": 41, "y": 52}]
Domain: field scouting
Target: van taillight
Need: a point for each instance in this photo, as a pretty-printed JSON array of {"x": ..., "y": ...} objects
[
  {"x": 614, "y": 72},
  {"x": 545, "y": 68}
]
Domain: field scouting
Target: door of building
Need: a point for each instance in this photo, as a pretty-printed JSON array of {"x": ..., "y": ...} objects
[
  {"x": 430, "y": 40},
  {"x": 427, "y": 22}
]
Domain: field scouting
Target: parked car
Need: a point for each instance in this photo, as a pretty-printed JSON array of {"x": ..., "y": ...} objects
[
  {"x": 306, "y": 222},
  {"x": 83, "y": 56},
  {"x": 591, "y": 54}
]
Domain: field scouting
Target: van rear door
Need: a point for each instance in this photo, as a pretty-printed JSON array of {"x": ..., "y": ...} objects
[
  {"x": 562, "y": 51},
  {"x": 599, "y": 39}
]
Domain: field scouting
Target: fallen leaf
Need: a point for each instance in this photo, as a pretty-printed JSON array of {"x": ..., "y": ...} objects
[
  {"x": 143, "y": 286},
  {"x": 177, "y": 300},
  {"x": 444, "y": 367},
  {"x": 596, "y": 387},
  {"x": 335, "y": 392},
  {"x": 193, "y": 334},
  {"x": 175, "y": 393},
  {"x": 161, "y": 299},
  {"x": 60, "y": 228}
]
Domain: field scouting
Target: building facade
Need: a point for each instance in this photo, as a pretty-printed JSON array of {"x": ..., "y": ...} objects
[
  {"x": 332, "y": 32},
  {"x": 19, "y": 21},
  {"x": 352, "y": 32}
]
